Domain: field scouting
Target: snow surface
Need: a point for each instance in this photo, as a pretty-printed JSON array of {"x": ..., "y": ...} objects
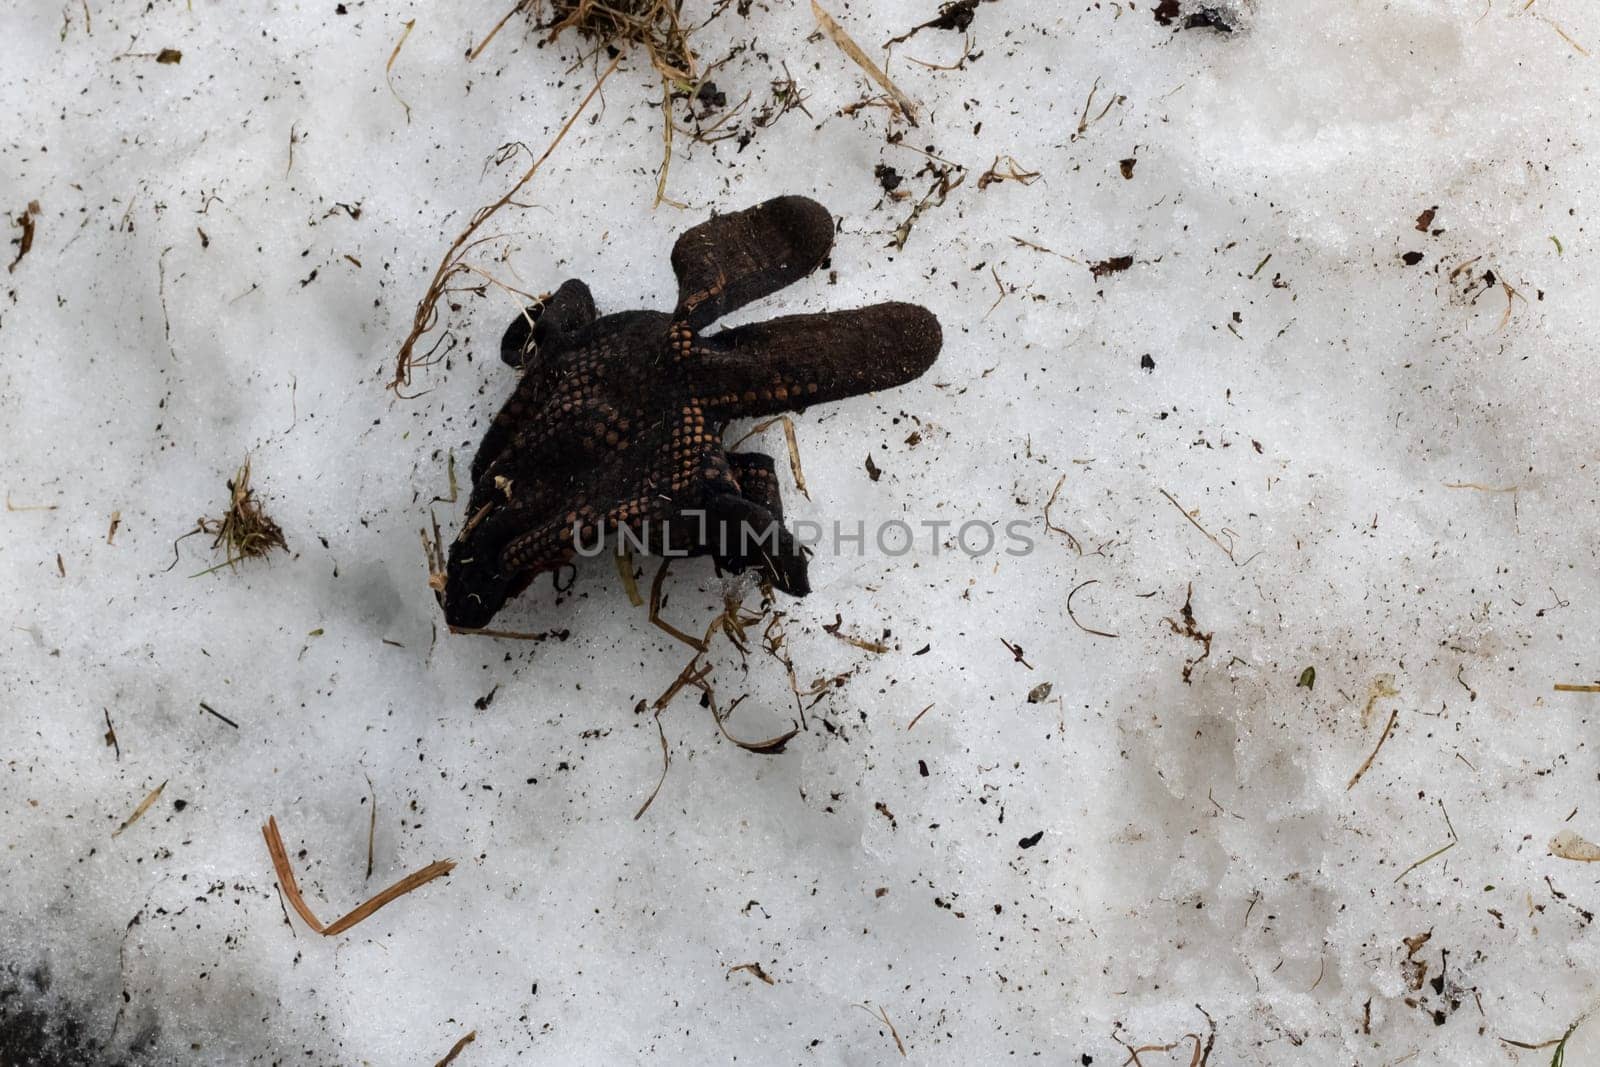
[{"x": 1395, "y": 464}]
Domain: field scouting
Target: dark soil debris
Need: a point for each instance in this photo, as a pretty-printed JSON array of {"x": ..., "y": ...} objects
[
  {"x": 955, "y": 15},
  {"x": 1209, "y": 18},
  {"x": 38, "y": 1029},
  {"x": 24, "y": 243},
  {"x": 1113, "y": 265},
  {"x": 1192, "y": 631},
  {"x": 1206, "y": 18}
]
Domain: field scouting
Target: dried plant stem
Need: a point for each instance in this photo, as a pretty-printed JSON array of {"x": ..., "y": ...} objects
[
  {"x": 1367, "y": 763},
  {"x": 476, "y": 52},
  {"x": 388, "y": 76},
  {"x": 836, "y": 33},
  {"x": 427, "y": 313}
]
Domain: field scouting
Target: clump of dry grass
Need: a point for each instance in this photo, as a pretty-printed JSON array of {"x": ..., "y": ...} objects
[
  {"x": 654, "y": 25},
  {"x": 245, "y": 530}
]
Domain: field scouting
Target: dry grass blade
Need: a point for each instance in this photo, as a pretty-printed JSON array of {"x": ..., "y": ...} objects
[
  {"x": 1227, "y": 549},
  {"x": 433, "y": 551},
  {"x": 883, "y": 1015},
  {"x": 938, "y": 191},
  {"x": 1014, "y": 172},
  {"x": 427, "y": 313},
  {"x": 1562, "y": 687},
  {"x": 918, "y": 716},
  {"x": 291, "y": 887},
  {"x": 1367, "y": 763},
  {"x": 28, "y": 507},
  {"x": 476, "y": 52},
  {"x": 667, "y": 127},
  {"x": 790, "y": 439},
  {"x": 1436, "y": 853},
  {"x": 455, "y": 1049},
  {"x": 1565, "y": 36},
  {"x": 794, "y": 456},
  {"x": 1050, "y": 525},
  {"x": 388, "y": 68},
  {"x": 655, "y": 609},
  {"x": 877, "y": 647},
  {"x": 510, "y": 635},
  {"x": 836, "y": 629},
  {"x": 666, "y": 762},
  {"x": 770, "y": 747},
  {"x": 625, "y": 572},
  {"x": 1074, "y": 618},
  {"x": 144, "y": 806},
  {"x": 848, "y": 46},
  {"x": 754, "y": 969}
]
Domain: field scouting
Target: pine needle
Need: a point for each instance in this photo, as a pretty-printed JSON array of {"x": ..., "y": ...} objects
[{"x": 291, "y": 887}]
